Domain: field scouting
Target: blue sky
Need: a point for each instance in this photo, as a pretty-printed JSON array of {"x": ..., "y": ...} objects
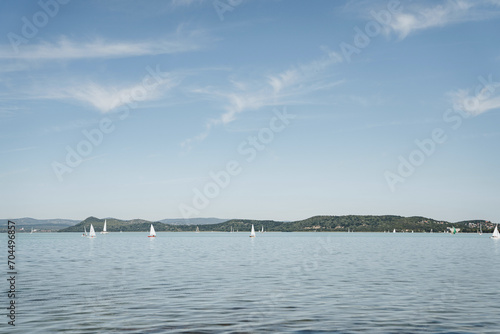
[{"x": 249, "y": 109}]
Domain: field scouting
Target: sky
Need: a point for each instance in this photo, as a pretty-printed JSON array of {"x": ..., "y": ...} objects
[{"x": 250, "y": 109}]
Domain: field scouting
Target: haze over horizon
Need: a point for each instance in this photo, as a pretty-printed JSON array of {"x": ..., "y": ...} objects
[{"x": 249, "y": 109}]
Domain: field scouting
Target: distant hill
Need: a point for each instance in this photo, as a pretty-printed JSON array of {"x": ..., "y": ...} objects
[
  {"x": 116, "y": 225},
  {"x": 316, "y": 223},
  {"x": 352, "y": 222},
  {"x": 112, "y": 225},
  {"x": 192, "y": 221},
  {"x": 39, "y": 224}
]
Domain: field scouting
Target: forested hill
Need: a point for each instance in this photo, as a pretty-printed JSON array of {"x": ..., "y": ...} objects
[
  {"x": 112, "y": 225},
  {"x": 353, "y": 223},
  {"x": 116, "y": 225},
  {"x": 318, "y": 223}
]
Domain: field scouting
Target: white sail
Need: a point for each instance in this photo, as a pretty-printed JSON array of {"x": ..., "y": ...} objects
[
  {"x": 92, "y": 232},
  {"x": 197, "y": 229},
  {"x": 394, "y": 231},
  {"x": 152, "y": 232},
  {"x": 495, "y": 234},
  {"x": 262, "y": 231},
  {"x": 252, "y": 233},
  {"x": 104, "y": 228}
]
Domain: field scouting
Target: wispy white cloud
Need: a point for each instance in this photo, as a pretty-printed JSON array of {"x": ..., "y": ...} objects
[
  {"x": 486, "y": 99},
  {"x": 183, "y": 3},
  {"x": 19, "y": 149},
  {"x": 108, "y": 97},
  {"x": 292, "y": 82},
  {"x": 71, "y": 125},
  {"x": 286, "y": 88},
  {"x": 419, "y": 17},
  {"x": 67, "y": 49}
]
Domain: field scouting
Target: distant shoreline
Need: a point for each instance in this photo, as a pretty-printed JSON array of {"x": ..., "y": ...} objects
[{"x": 350, "y": 223}]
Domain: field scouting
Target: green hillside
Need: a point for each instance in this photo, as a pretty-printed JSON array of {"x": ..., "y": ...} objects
[
  {"x": 341, "y": 224},
  {"x": 313, "y": 224},
  {"x": 112, "y": 225}
]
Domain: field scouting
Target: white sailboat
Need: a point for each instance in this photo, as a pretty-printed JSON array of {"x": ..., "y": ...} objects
[
  {"x": 84, "y": 232},
  {"x": 104, "y": 228},
  {"x": 394, "y": 231},
  {"x": 262, "y": 231},
  {"x": 152, "y": 232},
  {"x": 92, "y": 232},
  {"x": 31, "y": 231},
  {"x": 252, "y": 233},
  {"x": 495, "y": 234},
  {"x": 197, "y": 229},
  {"x": 480, "y": 230}
]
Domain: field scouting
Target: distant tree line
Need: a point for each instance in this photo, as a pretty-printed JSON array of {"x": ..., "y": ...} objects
[{"x": 354, "y": 223}]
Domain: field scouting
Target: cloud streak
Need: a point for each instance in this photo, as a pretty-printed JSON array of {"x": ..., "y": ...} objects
[
  {"x": 65, "y": 49},
  {"x": 185, "y": 3},
  {"x": 288, "y": 87},
  {"x": 418, "y": 17},
  {"x": 19, "y": 149},
  {"x": 486, "y": 99},
  {"x": 109, "y": 97}
]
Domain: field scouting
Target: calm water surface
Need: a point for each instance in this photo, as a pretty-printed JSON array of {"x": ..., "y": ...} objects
[{"x": 274, "y": 283}]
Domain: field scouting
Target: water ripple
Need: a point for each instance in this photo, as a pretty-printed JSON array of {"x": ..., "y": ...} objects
[{"x": 277, "y": 283}]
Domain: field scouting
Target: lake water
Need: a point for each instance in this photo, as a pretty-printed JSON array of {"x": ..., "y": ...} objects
[{"x": 274, "y": 283}]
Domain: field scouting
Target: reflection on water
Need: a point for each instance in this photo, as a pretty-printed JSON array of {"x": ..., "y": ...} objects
[{"x": 276, "y": 282}]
